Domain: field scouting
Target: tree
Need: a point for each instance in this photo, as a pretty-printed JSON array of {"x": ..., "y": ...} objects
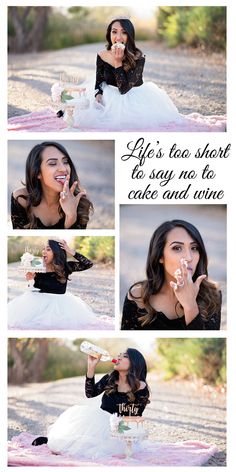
[
  {"x": 27, "y": 359},
  {"x": 28, "y": 25}
]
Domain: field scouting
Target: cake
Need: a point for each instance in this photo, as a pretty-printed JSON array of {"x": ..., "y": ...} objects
[
  {"x": 118, "y": 45},
  {"x": 130, "y": 426},
  {"x": 31, "y": 263},
  {"x": 69, "y": 94}
]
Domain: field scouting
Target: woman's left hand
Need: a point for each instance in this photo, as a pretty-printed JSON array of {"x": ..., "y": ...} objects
[
  {"x": 69, "y": 202},
  {"x": 63, "y": 244},
  {"x": 186, "y": 291}
]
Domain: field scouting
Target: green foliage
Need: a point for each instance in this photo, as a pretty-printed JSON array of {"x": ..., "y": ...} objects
[
  {"x": 99, "y": 249},
  {"x": 193, "y": 357},
  {"x": 203, "y": 27}
]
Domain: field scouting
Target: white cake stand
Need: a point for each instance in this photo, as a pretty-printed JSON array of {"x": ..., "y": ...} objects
[{"x": 129, "y": 441}]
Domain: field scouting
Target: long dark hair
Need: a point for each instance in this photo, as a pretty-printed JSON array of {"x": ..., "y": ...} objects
[
  {"x": 137, "y": 372},
  {"x": 131, "y": 53},
  {"x": 208, "y": 298},
  {"x": 34, "y": 188},
  {"x": 59, "y": 263}
]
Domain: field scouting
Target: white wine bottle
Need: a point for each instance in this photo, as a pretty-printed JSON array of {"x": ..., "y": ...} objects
[{"x": 95, "y": 351}]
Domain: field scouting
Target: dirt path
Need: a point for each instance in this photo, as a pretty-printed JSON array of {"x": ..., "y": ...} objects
[
  {"x": 138, "y": 223},
  {"x": 95, "y": 286},
  {"x": 202, "y": 417},
  {"x": 196, "y": 82},
  {"x": 94, "y": 162}
]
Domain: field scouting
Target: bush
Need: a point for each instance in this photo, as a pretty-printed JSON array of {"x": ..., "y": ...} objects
[
  {"x": 203, "y": 27},
  {"x": 193, "y": 358}
]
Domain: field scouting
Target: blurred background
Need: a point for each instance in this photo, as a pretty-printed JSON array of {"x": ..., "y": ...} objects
[
  {"x": 95, "y": 286},
  {"x": 47, "y": 28},
  {"x": 47, "y": 359},
  {"x": 94, "y": 162},
  {"x": 137, "y": 224}
]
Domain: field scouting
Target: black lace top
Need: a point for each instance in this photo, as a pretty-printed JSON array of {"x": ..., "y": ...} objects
[
  {"x": 117, "y": 76},
  {"x": 20, "y": 220},
  {"x": 49, "y": 283},
  {"x": 131, "y": 314},
  {"x": 117, "y": 402}
]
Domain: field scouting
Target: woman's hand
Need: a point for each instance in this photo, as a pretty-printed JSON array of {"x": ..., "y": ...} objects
[
  {"x": 30, "y": 275},
  {"x": 186, "y": 291},
  {"x": 118, "y": 54},
  {"x": 69, "y": 202},
  {"x": 92, "y": 362},
  {"x": 63, "y": 244},
  {"x": 98, "y": 99}
]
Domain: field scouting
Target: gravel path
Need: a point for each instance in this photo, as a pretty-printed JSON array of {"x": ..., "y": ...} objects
[
  {"x": 94, "y": 161},
  {"x": 32, "y": 407},
  {"x": 195, "y": 81},
  {"x": 95, "y": 286}
]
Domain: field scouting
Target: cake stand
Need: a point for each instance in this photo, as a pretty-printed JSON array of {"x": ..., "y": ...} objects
[{"x": 129, "y": 441}]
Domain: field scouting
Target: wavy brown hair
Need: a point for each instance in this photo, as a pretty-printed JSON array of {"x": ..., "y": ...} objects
[
  {"x": 59, "y": 263},
  {"x": 208, "y": 298},
  {"x": 131, "y": 52},
  {"x": 137, "y": 372},
  {"x": 34, "y": 188}
]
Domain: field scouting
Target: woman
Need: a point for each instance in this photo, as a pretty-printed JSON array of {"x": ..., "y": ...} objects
[
  {"x": 52, "y": 197},
  {"x": 48, "y": 306},
  {"x": 123, "y": 101},
  {"x": 176, "y": 293},
  {"x": 84, "y": 431}
]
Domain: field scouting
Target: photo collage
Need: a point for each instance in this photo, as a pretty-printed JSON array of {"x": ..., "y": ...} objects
[{"x": 116, "y": 337}]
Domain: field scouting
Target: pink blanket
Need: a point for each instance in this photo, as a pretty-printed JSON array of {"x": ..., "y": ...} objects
[
  {"x": 188, "y": 453},
  {"x": 46, "y": 120}
]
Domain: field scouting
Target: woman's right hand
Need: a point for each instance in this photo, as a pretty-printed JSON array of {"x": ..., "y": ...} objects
[
  {"x": 92, "y": 362},
  {"x": 98, "y": 99},
  {"x": 30, "y": 275}
]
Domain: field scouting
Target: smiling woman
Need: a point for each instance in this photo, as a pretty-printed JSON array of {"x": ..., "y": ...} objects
[
  {"x": 52, "y": 196},
  {"x": 176, "y": 293}
]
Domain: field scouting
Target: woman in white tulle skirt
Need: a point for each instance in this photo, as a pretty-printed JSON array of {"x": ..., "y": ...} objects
[
  {"x": 85, "y": 431},
  {"x": 122, "y": 100},
  {"x": 47, "y": 305}
]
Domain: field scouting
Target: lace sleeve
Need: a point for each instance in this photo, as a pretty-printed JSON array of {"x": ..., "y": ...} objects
[
  {"x": 18, "y": 214},
  {"x": 99, "y": 76},
  {"x": 126, "y": 80},
  {"x": 93, "y": 389},
  {"x": 82, "y": 263},
  {"x": 130, "y": 315}
]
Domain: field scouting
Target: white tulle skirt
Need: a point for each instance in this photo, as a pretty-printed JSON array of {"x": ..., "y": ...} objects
[
  {"x": 84, "y": 432},
  {"x": 37, "y": 310},
  {"x": 146, "y": 108}
]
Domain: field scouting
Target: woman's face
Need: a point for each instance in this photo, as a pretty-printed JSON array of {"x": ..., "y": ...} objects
[
  {"x": 54, "y": 170},
  {"x": 118, "y": 34},
  {"x": 47, "y": 255},
  {"x": 123, "y": 362},
  {"x": 179, "y": 245}
]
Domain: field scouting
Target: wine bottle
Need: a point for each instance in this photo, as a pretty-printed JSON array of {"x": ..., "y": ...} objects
[{"x": 95, "y": 351}]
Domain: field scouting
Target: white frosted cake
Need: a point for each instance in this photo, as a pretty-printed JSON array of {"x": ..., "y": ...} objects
[
  {"x": 31, "y": 263},
  {"x": 69, "y": 94},
  {"x": 130, "y": 426}
]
